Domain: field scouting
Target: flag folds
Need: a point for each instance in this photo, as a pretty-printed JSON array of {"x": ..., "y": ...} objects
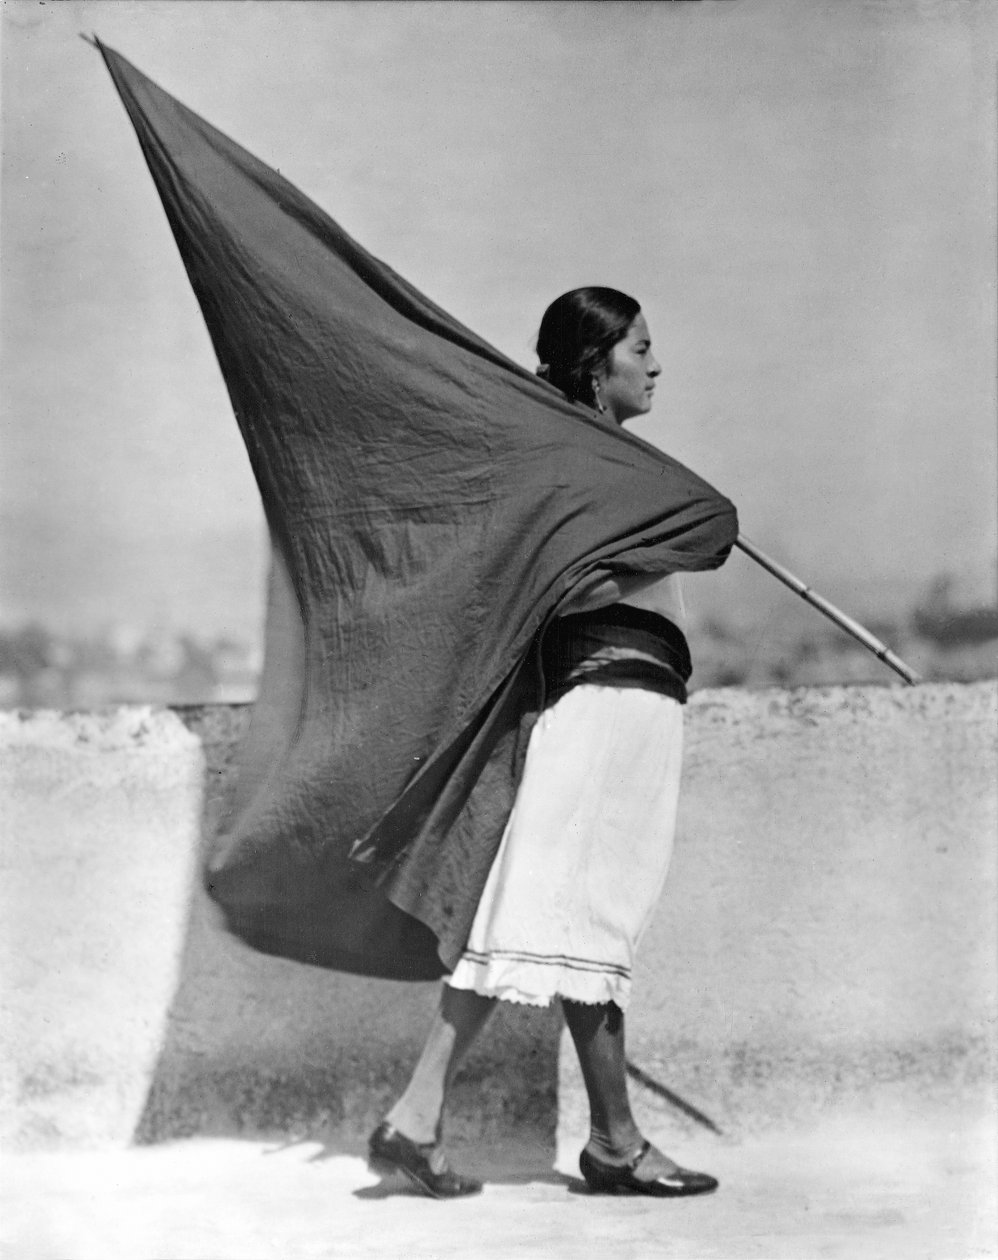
[{"x": 430, "y": 506}]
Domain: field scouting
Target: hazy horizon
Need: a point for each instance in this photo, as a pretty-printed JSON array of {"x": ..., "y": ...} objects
[{"x": 801, "y": 197}]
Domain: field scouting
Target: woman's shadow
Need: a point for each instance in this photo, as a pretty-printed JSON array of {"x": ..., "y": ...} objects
[{"x": 530, "y": 1165}]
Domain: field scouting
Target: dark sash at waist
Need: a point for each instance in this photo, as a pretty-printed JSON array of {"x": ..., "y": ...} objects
[{"x": 616, "y": 646}]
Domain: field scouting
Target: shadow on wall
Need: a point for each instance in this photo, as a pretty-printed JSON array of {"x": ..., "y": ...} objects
[
  {"x": 258, "y": 1046},
  {"x": 829, "y": 914}
]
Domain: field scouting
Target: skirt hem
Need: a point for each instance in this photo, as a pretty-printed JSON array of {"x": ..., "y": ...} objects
[{"x": 538, "y": 984}]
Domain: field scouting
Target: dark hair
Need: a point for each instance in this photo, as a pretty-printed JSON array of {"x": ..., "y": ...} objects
[{"x": 577, "y": 333}]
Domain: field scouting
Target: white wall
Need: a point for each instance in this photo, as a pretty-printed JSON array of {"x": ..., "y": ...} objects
[{"x": 828, "y": 927}]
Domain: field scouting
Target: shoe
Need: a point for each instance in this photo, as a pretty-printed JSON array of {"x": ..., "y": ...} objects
[
  {"x": 620, "y": 1178},
  {"x": 391, "y": 1151}
]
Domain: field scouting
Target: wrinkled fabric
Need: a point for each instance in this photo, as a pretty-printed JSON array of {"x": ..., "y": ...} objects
[{"x": 430, "y": 506}]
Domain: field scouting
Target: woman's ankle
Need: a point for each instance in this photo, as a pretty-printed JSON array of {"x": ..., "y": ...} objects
[
  {"x": 615, "y": 1145},
  {"x": 423, "y": 1130}
]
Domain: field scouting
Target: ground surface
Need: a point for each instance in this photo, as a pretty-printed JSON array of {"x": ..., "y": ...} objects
[{"x": 858, "y": 1188}]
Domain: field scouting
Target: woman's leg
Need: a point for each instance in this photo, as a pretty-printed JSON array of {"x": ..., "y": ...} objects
[
  {"x": 598, "y": 1033},
  {"x": 460, "y": 1017}
]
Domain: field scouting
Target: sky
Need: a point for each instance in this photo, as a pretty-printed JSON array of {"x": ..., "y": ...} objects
[{"x": 801, "y": 196}]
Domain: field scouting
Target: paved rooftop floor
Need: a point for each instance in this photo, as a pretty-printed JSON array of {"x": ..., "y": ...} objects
[{"x": 858, "y": 1187}]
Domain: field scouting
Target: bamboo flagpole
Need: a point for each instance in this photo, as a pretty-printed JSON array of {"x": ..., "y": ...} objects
[{"x": 868, "y": 640}]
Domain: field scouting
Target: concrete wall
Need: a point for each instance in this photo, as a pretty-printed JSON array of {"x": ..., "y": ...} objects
[
  {"x": 99, "y": 817},
  {"x": 828, "y": 928}
]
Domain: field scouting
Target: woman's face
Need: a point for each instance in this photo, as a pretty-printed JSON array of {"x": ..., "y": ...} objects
[{"x": 627, "y": 385}]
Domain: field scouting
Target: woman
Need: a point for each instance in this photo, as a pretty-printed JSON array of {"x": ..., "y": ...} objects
[
  {"x": 587, "y": 845},
  {"x": 431, "y": 507}
]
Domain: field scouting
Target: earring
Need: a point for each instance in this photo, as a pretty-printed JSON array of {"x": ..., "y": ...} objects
[{"x": 600, "y": 405}]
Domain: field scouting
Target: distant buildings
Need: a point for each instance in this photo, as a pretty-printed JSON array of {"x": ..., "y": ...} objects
[
  {"x": 126, "y": 664},
  {"x": 123, "y": 665}
]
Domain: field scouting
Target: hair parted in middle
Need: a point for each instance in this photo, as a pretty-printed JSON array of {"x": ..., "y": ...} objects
[{"x": 577, "y": 333}]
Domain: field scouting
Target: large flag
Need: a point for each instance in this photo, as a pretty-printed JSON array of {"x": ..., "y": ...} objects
[{"x": 430, "y": 505}]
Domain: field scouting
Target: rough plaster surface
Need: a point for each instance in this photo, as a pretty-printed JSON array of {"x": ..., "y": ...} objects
[
  {"x": 827, "y": 931},
  {"x": 99, "y": 821},
  {"x": 828, "y": 927}
]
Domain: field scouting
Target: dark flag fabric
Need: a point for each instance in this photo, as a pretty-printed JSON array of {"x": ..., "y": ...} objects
[{"x": 431, "y": 505}]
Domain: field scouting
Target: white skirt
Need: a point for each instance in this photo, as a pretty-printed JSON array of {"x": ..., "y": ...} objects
[{"x": 585, "y": 852}]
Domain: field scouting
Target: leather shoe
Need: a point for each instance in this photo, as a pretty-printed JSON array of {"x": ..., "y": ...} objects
[
  {"x": 391, "y": 1151},
  {"x": 620, "y": 1178}
]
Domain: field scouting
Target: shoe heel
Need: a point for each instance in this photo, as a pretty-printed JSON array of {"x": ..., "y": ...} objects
[{"x": 595, "y": 1178}]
